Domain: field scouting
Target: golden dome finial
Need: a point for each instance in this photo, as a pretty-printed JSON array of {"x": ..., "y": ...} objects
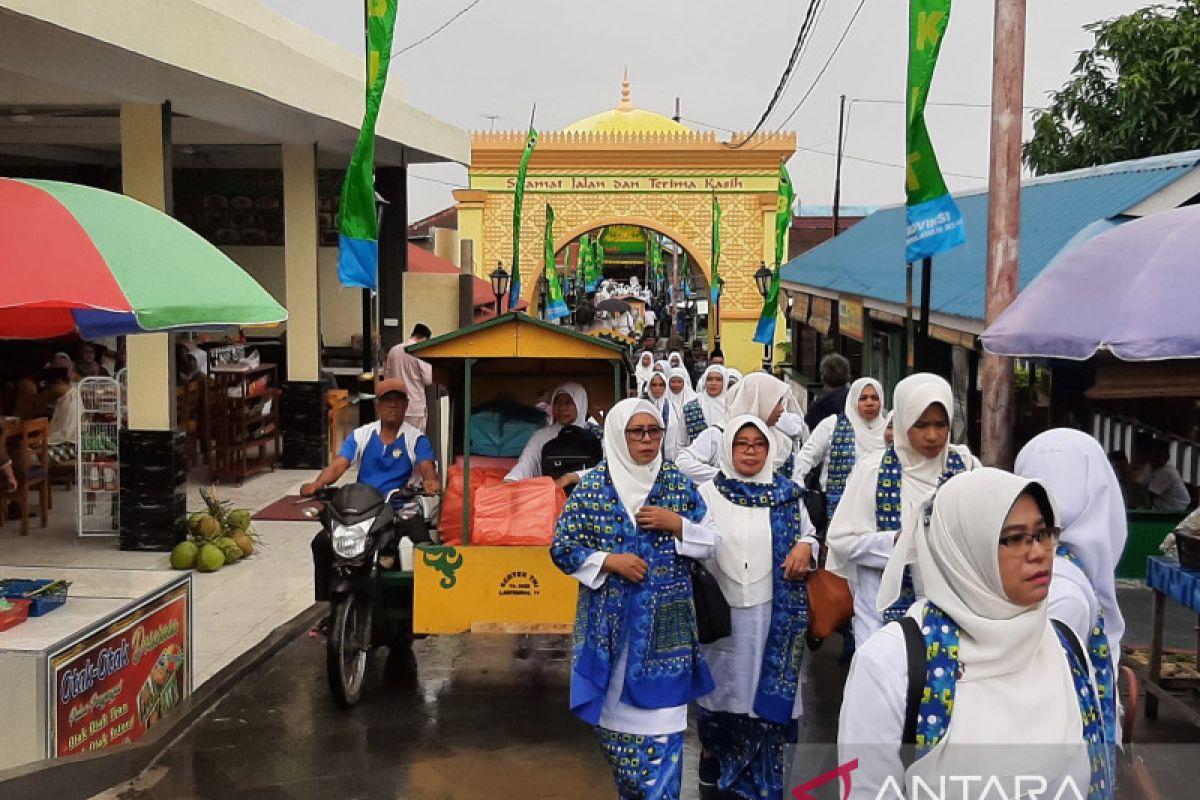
[{"x": 626, "y": 103}]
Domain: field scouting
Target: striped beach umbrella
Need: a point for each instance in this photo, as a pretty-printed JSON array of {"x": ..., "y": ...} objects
[{"x": 78, "y": 259}]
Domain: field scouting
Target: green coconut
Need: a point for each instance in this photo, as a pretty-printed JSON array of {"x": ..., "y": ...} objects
[
  {"x": 238, "y": 519},
  {"x": 184, "y": 555},
  {"x": 229, "y": 548},
  {"x": 210, "y": 558}
]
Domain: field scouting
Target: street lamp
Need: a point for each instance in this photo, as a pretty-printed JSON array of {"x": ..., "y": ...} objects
[
  {"x": 762, "y": 280},
  {"x": 499, "y": 279}
]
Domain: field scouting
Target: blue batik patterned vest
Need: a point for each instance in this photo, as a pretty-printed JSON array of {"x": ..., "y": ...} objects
[
  {"x": 693, "y": 418},
  {"x": 1100, "y": 654},
  {"x": 943, "y": 669},
  {"x": 842, "y": 454},
  {"x": 887, "y": 515}
]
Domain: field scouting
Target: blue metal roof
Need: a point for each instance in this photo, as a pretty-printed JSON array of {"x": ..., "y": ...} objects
[{"x": 868, "y": 259}]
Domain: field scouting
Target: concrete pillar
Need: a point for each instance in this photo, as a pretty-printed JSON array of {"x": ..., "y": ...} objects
[
  {"x": 300, "y": 244},
  {"x": 470, "y": 229},
  {"x": 302, "y": 413},
  {"x": 146, "y": 175},
  {"x": 153, "y": 475}
]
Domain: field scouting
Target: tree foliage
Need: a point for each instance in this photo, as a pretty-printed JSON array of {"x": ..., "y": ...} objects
[{"x": 1135, "y": 93}]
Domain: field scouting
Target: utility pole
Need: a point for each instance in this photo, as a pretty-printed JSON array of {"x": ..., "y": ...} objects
[
  {"x": 837, "y": 180},
  {"x": 1004, "y": 222},
  {"x": 677, "y": 116}
]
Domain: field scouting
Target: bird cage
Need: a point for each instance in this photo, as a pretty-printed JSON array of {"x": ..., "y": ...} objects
[{"x": 97, "y": 457}]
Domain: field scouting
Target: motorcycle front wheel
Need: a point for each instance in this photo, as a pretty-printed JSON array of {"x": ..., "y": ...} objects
[{"x": 346, "y": 651}]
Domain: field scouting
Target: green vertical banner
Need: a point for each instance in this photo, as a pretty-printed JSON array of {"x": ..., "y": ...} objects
[
  {"x": 598, "y": 261},
  {"x": 934, "y": 222},
  {"x": 358, "y": 225},
  {"x": 715, "y": 284},
  {"x": 514, "y": 292},
  {"x": 587, "y": 257},
  {"x": 764, "y": 333},
  {"x": 556, "y": 306}
]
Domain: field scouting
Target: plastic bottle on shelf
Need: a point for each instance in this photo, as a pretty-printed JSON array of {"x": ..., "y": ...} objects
[{"x": 95, "y": 481}]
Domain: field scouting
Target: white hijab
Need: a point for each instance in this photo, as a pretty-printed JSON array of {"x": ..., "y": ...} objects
[
  {"x": 1075, "y": 468},
  {"x": 913, "y": 395},
  {"x": 734, "y": 375},
  {"x": 643, "y": 371},
  {"x": 725, "y": 458},
  {"x": 631, "y": 480},
  {"x": 579, "y": 397},
  {"x": 675, "y": 354},
  {"x": 713, "y": 407},
  {"x": 868, "y": 435},
  {"x": 757, "y": 395},
  {"x": 1012, "y": 661}
]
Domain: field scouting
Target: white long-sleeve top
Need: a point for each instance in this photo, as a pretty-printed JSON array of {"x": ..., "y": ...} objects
[
  {"x": 1072, "y": 600},
  {"x": 699, "y": 541},
  {"x": 871, "y": 725},
  {"x": 743, "y": 563},
  {"x": 816, "y": 451},
  {"x": 861, "y": 558}
]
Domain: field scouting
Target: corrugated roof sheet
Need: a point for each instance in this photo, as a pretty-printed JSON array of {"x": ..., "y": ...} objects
[{"x": 868, "y": 259}]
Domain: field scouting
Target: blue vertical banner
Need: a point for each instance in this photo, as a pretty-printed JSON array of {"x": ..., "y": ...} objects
[{"x": 935, "y": 224}]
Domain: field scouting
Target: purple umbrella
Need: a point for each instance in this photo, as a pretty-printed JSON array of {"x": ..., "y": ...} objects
[{"x": 1134, "y": 291}]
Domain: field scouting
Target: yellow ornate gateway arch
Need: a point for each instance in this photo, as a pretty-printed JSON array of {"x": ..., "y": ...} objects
[{"x": 633, "y": 167}]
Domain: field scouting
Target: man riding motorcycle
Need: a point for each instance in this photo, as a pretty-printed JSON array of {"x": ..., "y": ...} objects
[{"x": 385, "y": 452}]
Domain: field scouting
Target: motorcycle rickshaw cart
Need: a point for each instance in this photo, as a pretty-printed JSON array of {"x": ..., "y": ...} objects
[{"x": 514, "y": 357}]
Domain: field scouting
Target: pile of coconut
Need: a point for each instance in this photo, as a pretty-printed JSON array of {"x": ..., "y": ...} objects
[{"x": 219, "y": 535}]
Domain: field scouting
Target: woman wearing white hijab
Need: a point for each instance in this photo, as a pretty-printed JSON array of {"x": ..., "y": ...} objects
[
  {"x": 707, "y": 408},
  {"x": 626, "y": 535},
  {"x": 997, "y": 671},
  {"x": 734, "y": 376},
  {"x": 887, "y": 488},
  {"x": 568, "y": 406},
  {"x": 643, "y": 371},
  {"x": 842, "y": 440},
  {"x": 679, "y": 394},
  {"x": 675, "y": 359},
  {"x": 763, "y": 396},
  {"x": 1083, "y": 594},
  {"x": 766, "y": 549}
]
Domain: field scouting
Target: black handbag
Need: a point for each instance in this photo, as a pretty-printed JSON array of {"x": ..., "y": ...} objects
[
  {"x": 815, "y": 502},
  {"x": 712, "y": 610}
]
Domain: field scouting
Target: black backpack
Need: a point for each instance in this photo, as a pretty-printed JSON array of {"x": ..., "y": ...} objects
[{"x": 573, "y": 450}]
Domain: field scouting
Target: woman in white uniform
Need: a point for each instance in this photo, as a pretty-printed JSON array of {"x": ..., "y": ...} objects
[
  {"x": 568, "y": 406},
  {"x": 643, "y": 371},
  {"x": 766, "y": 549},
  {"x": 764, "y": 396},
  {"x": 679, "y": 394},
  {"x": 626, "y": 535},
  {"x": 1083, "y": 594},
  {"x": 842, "y": 440},
  {"x": 1003, "y": 704},
  {"x": 707, "y": 408},
  {"x": 886, "y": 489}
]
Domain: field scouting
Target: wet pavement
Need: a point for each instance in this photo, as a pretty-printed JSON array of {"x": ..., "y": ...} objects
[{"x": 474, "y": 722}]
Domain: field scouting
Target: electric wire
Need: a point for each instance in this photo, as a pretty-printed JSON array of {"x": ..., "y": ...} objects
[
  {"x": 437, "y": 30},
  {"x": 828, "y": 61},
  {"x": 806, "y": 27}
]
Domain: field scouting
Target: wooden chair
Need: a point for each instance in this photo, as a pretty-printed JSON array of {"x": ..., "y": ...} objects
[
  {"x": 189, "y": 409},
  {"x": 32, "y": 466},
  {"x": 338, "y": 401}
]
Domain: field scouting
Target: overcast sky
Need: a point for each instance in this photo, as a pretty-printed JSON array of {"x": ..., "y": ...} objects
[{"x": 722, "y": 59}]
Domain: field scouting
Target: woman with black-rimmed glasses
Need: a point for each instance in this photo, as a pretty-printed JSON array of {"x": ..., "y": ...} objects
[{"x": 627, "y": 534}]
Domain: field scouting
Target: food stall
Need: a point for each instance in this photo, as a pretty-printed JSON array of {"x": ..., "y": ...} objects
[{"x": 98, "y": 670}]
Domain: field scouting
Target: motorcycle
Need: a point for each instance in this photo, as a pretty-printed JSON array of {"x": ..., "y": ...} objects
[{"x": 370, "y": 602}]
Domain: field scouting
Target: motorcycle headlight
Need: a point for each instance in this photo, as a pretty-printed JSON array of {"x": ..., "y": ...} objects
[{"x": 349, "y": 541}]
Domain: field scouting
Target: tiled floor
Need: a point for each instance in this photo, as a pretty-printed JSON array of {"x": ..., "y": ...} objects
[{"x": 235, "y": 608}]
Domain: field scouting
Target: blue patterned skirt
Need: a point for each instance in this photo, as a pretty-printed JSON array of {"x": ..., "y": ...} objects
[
  {"x": 753, "y": 753},
  {"x": 644, "y": 767}
]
